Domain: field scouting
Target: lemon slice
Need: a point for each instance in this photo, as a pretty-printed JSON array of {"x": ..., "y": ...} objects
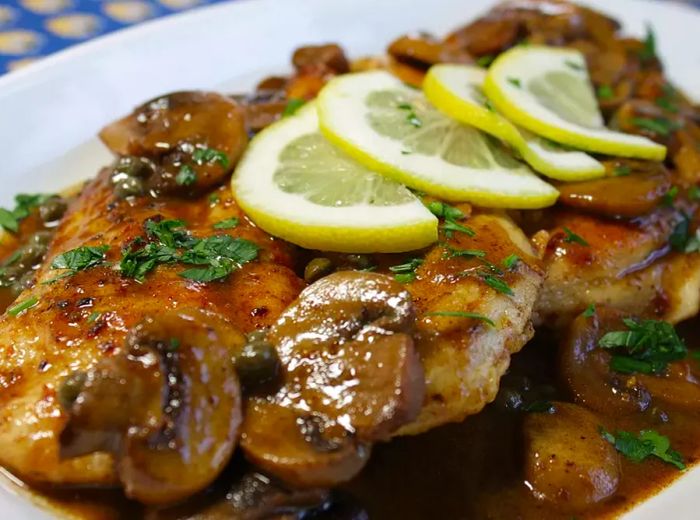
[
  {"x": 547, "y": 91},
  {"x": 457, "y": 91},
  {"x": 392, "y": 129},
  {"x": 295, "y": 185}
]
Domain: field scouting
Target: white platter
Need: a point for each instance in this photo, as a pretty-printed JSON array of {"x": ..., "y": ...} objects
[{"x": 51, "y": 111}]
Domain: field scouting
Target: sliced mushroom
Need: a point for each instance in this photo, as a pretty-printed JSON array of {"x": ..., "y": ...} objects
[
  {"x": 253, "y": 496},
  {"x": 198, "y": 132},
  {"x": 567, "y": 462},
  {"x": 634, "y": 194},
  {"x": 586, "y": 370},
  {"x": 350, "y": 376},
  {"x": 168, "y": 406}
]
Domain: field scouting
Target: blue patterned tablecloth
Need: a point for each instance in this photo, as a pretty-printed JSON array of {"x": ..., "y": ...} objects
[{"x": 30, "y": 29}]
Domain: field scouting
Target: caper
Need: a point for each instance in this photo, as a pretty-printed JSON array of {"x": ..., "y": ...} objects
[
  {"x": 31, "y": 253},
  {"x": 317, "y": 268},
  {"x": 360, "y": 261},
  {"x": 128, "y": 186},
  {"x": 70, "y": 388},
  {"x": 52, "y": 209},
  {"x": 27, "y": 279},
  {"x": 134, "y": 167},
  {"x": 41, "y": 237},
  {"x": 510, "y": 399},
  {"x": 257, "y": 364}
]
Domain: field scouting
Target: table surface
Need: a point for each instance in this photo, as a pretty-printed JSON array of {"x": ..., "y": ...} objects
[{"x": 31, "y": 29}]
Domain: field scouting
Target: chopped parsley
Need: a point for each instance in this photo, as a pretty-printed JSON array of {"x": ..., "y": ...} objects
[
  {"x": 463, "y": 314},
  {"x": 406, "y": 272},
  {"x": 214, "y": 199},
  {"x": 489, "y": 106},
  {"x": 485, "y": 60},
  {"x": 681, "y": 238},
  {"x": 648, "y": 50},
  {"x": 515, "y": 82},
  {"x": 80, "y": 258},
  {"x": 216, "y": 256},
  {"x": 228, "y": 223},
  {"x": 411, "y": 115},
  {"x": 669, "y": 197},
  {"x": 453, "y": 252},
  {"x": 186, "y": 176},
  {"x": 573, "y": 238},
  {"x": 510, "y": 261},
  {"x": 496, "y": 283},
  {"x": 451, "y": 215},
  {"x": 24, "y": 204},
  {"x": 93, "y": 316},
  {"x": 657, "y": 125},
  {"x": 622, "y": 170},
  {"x": 210, "y": 155},
  {"x": 292, "y": 106},
  {"x": 22, "y": 306},
  {"x": 646, "y": 346},
  {"x": 694, "y": 193},
  {"x": 647, "y": 444},
  {"x": 574, "y": 65},
  {"x": 590, "y": 311},
  {"x": 605, "y": 92}
]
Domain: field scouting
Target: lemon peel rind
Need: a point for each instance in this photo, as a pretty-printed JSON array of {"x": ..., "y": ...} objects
[
  {"x": 495, "y": 87},
  {"x": 452, "y": 105},
  {"x": 546, "y": 195}
]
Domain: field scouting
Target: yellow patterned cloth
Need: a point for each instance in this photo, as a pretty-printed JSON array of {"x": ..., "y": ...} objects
[{"x": 31, "y": 29}]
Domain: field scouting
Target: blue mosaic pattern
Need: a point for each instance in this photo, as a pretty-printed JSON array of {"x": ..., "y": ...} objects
[{"x": 30, "y": 29}]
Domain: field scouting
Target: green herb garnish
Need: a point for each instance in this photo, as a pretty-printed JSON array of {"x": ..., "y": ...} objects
[
  {"x": 539, "y": 407},
  {"x": 411, "y": 116},
  {"x": 453, "y": 252},
  {"x": 186, "y": 176},
  {"x": 485, "y": 60},
  {"x": 574, "y": 65},
  {"x": 406, "y": 272},
  {"x": 573, "y": 238},
  {"x": 648, "y": 443},
  {"x": 510, "y": 261},
  {"x": 681, "y": 239},
  {"x": 669, "y": 197},
  {"x": 694, "y": 193},
  {"x": 515, "y": 82},
  {"x": 648, "y": 51},
  {"x": 451, "y": 215},
  {"x": 228, "y": 223},
  {"x": 658, "y": 125},
  {"x": 24, "y": 204},
  {"x": 210, "y": 155},
  {"x": 22, "y": 306},
  {"x": 590, "y": 311},
  {"x": 220, "y": 255},
  {"x": 93, "y": 316},
  {"x": 462, "y": 314},
  {"x": 605, "y": 92},
  {"x": 496, "y": 283},
  {"x": 647, "y": 346},
  {"x": 292, "y": 106},
  {"x": 78, "y": 259},
  {"x": 622, "y": 170}
]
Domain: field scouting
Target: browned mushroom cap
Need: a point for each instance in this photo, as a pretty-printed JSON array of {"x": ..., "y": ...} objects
[
  {"x": 638, "y": 192},
  {"x": 585, "y": 368},
  {"x": 168, "y": 406},
  {"x": 328, "y": 58},
  {"x": 567, "y": 462},
  {"x": 350, "y": 376},
  {"x": 176, "y": 131}
]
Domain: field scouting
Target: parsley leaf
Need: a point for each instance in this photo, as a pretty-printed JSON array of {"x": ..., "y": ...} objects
[
  {"x": 515, "y": 82},
  {"x": 170, "y": 232},
  {"x": 463, "y": 314},
  {"x": 605, "y": 92},
  {"x": 657, "y": 125},
  {"x": 406, "y": 272},
  {"x": 510, "y": 261},
  {"x": 221, "y": 254},
  {"x": 647, "y": 346},
  {"x": 80, "y": 258},
  {"x": 485, "y": 60},
  {"x": 669, "y": 196},
  {"x": 590, "y": 311},
  {"x": 22, "y": 306},
  {"x": 622, "y": 170},
  {"x": 137, "y": 263},
  {"x": 186, "y": 176},
  {"x": 648, "y": 51},
  {"x": 210, "y": 155},
  {"x": 24, "y": 204},
  {"x": 681, "y": 239},
  {"x": 411, "y": 115},
  {"x": 228, "y": 223},
  {"x": 292, "y": 106},
  {"x": 573, "y": 238},
  {"x": 648, "y": 443}
]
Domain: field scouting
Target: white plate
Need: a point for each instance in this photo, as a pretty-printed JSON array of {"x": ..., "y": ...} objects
[{"x": 51, "y": 111}]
